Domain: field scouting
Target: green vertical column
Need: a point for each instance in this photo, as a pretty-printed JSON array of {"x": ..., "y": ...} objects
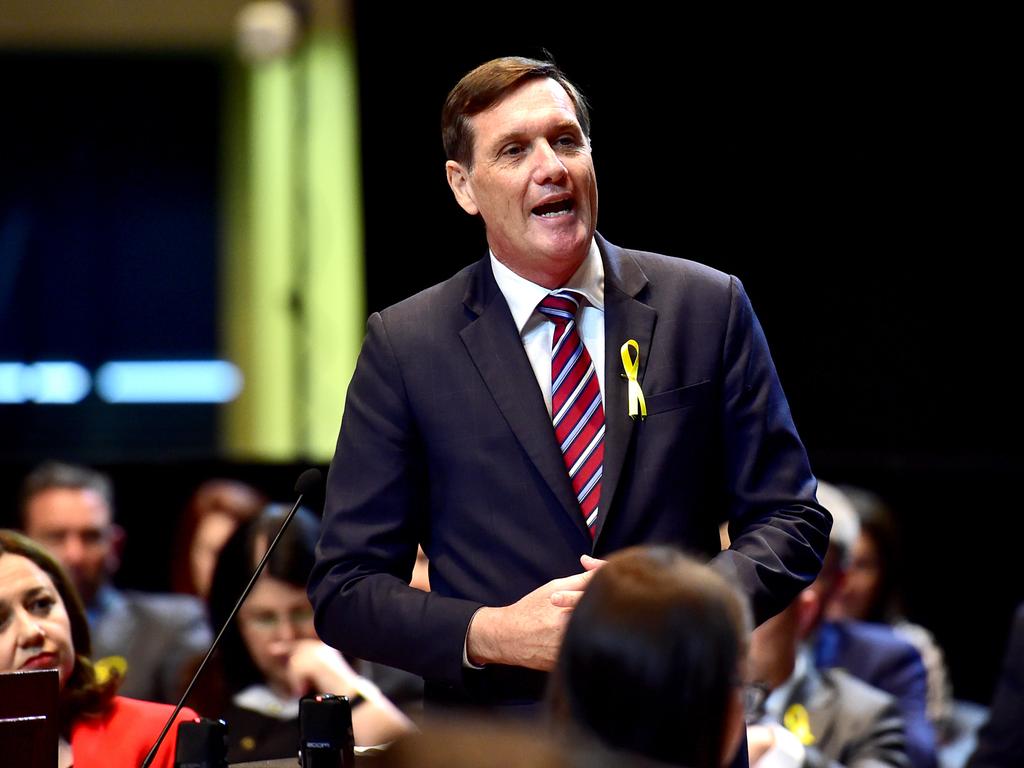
[
  {"x": 258, "y": 286},
  {"x": 292, "y": 272},
  {"x": 334, "y": 291}
]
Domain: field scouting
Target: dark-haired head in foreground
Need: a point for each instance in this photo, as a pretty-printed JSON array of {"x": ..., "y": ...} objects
[{"x": 651, "y": 660}]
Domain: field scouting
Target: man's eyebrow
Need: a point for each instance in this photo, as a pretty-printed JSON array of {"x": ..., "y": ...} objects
[
  {"x": 505, "y": 138},
  {"x": 562, "y": 126},
  {"x": 568, "y": 125}
]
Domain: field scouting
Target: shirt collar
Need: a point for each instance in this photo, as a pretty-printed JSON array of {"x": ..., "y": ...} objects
[
  {"x": 259, "y": 698},
  {"x": 523, "y": 296},
  {"x": 776, "y": 702},
  {"x": 107, "y": 598}
]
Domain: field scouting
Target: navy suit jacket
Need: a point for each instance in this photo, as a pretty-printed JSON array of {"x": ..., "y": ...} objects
[{"x": 446, "y": 441}]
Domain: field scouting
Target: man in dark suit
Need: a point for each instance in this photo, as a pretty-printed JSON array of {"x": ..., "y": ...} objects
[
  {"x": 448, "y": 437},
  {"x": 148, "y": 638}
]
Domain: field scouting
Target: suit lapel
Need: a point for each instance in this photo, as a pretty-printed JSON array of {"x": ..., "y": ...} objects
[
  {"x": 497, "y": 351},
  {"x": 625, "y": 317},
  {"x": 819, "y": 699}
]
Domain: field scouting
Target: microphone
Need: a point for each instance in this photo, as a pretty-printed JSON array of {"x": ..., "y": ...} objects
[
  {"x": 201, "y": 743},
  {"x": 325, "y": 732},
  {"x": 307, "y": 483}
]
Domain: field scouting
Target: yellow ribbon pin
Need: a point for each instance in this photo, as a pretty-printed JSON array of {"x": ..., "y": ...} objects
[
  {"x": 637, "y": 404},
  {"x": 798, "y": 723},
  {"x": 110, "y": 666}
]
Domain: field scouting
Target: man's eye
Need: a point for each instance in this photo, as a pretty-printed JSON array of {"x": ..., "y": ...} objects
[
  {"x": 512, "y": 150},
  {"x": 568, "y": 141}
]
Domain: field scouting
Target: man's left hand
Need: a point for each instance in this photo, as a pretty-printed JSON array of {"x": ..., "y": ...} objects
[{"x": 569, "y": 598}]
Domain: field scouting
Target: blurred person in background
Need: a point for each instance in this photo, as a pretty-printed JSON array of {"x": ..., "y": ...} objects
[
  {"x": 271, "y": 656},
  {"x": 873, "y": 653},
  {"x": 871, "y": 591},
  {"x": 43, "y": 626},
  {"x": 215, "y": 510},
  {"x": 147, "y": 637},
  {"x": 811, "y": 718},
  {"x": 652, "y": 660}
]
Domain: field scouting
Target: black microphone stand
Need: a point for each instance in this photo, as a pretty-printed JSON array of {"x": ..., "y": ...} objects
[{"x": 306, "y": 482}]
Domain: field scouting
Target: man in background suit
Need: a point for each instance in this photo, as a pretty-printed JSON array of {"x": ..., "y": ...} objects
[
  {"x": 814, "y": 718},
  {"x": 447, "y": 437},
  {"x": 872, "y": 653},
  {"x": 147, "y": 637}
]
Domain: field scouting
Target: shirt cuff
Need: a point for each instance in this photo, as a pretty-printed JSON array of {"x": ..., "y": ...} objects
[
  {"x": 787, "y": 752},
  {"x": 465, "y": 644}
]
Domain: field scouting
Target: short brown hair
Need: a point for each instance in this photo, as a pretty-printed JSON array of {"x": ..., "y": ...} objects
[
  {"x": 52, "y": 475},
  {"x": 487, "y": 84},
  {"x": 83, "y": 694}
]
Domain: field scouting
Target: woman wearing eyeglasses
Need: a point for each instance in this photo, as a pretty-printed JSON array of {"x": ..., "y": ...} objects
[{"x": 271, "y": 655}]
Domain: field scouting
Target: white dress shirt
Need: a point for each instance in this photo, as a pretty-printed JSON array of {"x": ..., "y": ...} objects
[
  {"x": 787, "y": 751},
  {"x": 537, "y": 331}
]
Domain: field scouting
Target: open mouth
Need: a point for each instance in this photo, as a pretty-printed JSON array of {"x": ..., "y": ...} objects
[{"x": 556, "y": 208}]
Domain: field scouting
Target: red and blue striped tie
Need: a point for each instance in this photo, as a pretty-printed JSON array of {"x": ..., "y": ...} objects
[{"x": 576, "y": 409}]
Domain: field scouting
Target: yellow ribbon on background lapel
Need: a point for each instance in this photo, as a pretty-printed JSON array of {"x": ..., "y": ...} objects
[
  {"x": 637, "y": 404},
  {"x": 798, "y": 722}
]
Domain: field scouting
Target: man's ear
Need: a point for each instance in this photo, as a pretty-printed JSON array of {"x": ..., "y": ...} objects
[
  {"x": 117, "y": 539},
  {"x": 808, "y": 612},
  {"x": 462, "y": 187}
]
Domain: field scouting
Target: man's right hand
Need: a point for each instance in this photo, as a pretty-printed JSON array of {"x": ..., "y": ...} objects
[{"x": 529, "y": 632}]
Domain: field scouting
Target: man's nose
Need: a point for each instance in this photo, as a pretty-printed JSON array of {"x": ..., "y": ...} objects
[
  {"x": 72, "y": 551},
  {"x": 549, "y": 167}
]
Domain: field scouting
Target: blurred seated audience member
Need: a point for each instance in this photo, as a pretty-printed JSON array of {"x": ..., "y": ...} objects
[
  {"x": 43, "y": 626},
  {"x": 475, "y": 742},
  {"x": 213, "y": 513},
  {"x": 270, "y": 654},
  {"x": 1001, "y": 738},
  {"x": 810, "y": 717},
  {"x": 873, "y": 653},
  {"x": 871, "y": 591},
  {"x": 150, "y": 638},
  {"x": 651, "y": 662}
]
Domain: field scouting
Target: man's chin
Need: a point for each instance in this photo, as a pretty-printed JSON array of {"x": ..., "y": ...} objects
[{"x": 571, "y": 249}]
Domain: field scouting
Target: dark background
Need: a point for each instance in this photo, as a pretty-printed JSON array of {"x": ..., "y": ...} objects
[{"x": 856, "y": 173}]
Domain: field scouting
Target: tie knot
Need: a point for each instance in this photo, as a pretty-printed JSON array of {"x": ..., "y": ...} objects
[{"x": 559, "y": 306}]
